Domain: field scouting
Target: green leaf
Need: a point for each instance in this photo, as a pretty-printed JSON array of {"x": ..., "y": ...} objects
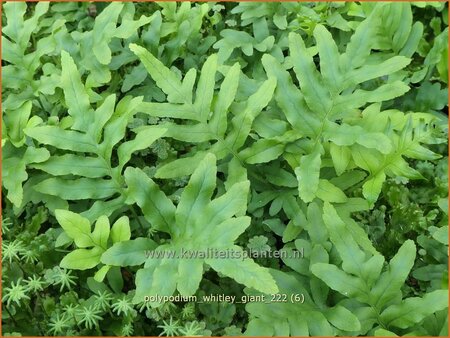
[
  {"x": 421, "y": 153},
  {"x": 161, "y": 284},
  {"x": 225, "y": 231},
  {"x": 290, "y": 99},
  {"x": 327, "y": 191},
  {"x": 242, "y": 122},
  {"x": 441, "y": 235},
  {"x": 341, "y": 157},
  {"x": 245, "y": 271},
  {"x": 329, "y": 53},
  {"x": 390, "y": 282},
  {"x": 82, "y": 259},
  {"x": 62, "y": 240},
  {"x": 128, "y": 252},
  {"x": 104, "y": 29},
  {"x": 106, "y": 208},
  {"x": 75, "y": 94},
  {"x": 144, "y": 139},
  {"x": 101, "y": 116},
  {"x": 129, "y": 27},
  {"x": 231, "y": 203},
  {"x": 340, "y": 281},
  {"x": 396, "y": 21},
  {"x": 413, "y": 40},
  {"x": 308, "y": 175},
  {"x": 101, "y": 231},
  {"x": 62, "y": 139},
  {"x": 14, "y": 171},
  {"x": 227, "y": 93},
  {"x": 155, "y": 205},
  {"x": 357, "y": 232},
  {"x": 291, "y": 207},
  {"x": 262, "y": 151},
  {"x": 346, "y": 135},
  {"x": 144, "y": 279},
  {"x": 372, "y": 187},
  {"x": 101, "y": 273},
  {"x": 367, "y": 159},
  {"x": 343, "y": 319},
  {"x": 16, "y": 121},
  {"x": 189, "y": 133},
  {"x": 236, "y": 173},
  {"x": 197, "y": 193},
  {"x": 344, "y": 103},
  {"x": 413, "y": 310},
  {"x": 369, "y": 72},
  {"x": 399, "y": 167},
  {"x": 14, "y": 12},
  {"x": 203, "y": 226},
  {"x": 291, "y": 232},
  {"x": 291, "y": 318},
  {"x": 78, "y": 189},
  {"x": 177, "y": 111},
  {"x": 76, "y": 227},
  {"x": 205, "y": 88},
  {"x": 384, "y": 333},
  {"x": 315, "y": 226},
  {"x": 352, "y": 256},
  {"x": 190, "y": 273},
  {"x": 164, "y": 78},
  {"x": 120, "y": 231},
  {"x": 316, "y": 96},
  {"x": 360, "y": 45},
  {"x": 92, "y": 167},
  {"x": 115, "y": 130},
  {"x": 181, "y": 166},
  {"x": 259, "y": 327}
]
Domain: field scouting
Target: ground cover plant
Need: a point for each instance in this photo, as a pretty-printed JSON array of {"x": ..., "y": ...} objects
[{"x": 224, "y": 169}]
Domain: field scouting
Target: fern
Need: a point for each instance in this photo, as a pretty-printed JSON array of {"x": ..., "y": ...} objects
[
  {"x": 27, "y": 87},
  {"x": 295, "y": 317},
  {"x": 326, "y": 113},
  {"x": 89, "y": 131},
  {"x": 92, "y": 244},
  {"x": 147, "y": 146},
  {"x": 14, "y": 168},
  {"x": 373, "y": 299},
  {"x": 207, "y": 114},
  {"x": 376, "y": 295},
  {"x": 198, "y": 225}
]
